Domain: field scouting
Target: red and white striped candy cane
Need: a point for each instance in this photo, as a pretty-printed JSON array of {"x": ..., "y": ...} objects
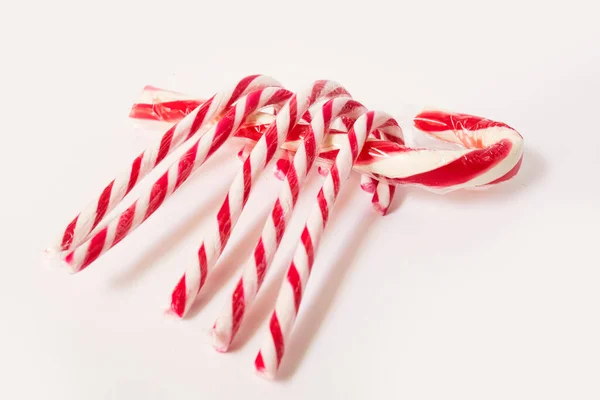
[
  {"x": 193, "y": 279},
  {"x": 199, "y": 150},
  {"x": 491, "y": 153},
  {"x": 195, "y": 122},
  {"x": 254, "y": 270},
  {"x": 288, "y": 302}
]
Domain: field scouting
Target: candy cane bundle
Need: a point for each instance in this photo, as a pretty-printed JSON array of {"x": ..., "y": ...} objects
[{"x": 320, "y": 125}]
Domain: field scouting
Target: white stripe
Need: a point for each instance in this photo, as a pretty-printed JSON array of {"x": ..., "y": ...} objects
[
  {"x": 286, "y": 309},
  {"x": 111, "y": 231},
  {"x": 192, "y": 283},
  {"x": 173, "y": 172},
  {"x": 269, "y": 356},
  {"x": 383, "y": 195},
  {"x": 236, "y": 198},
  {"x": 79, "y": 256},
  {"x": 240, "y": 109},
  {"x": 182, "y": 129},
  {"x": 141, "y": 207},
  {"x": 250, "y": 280},
  {"x": 269, "y": 238}
]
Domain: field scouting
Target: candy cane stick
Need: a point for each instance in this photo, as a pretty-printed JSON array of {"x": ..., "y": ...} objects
[
  {"x": 211, "y": 247},
  {"x": 254, "y": 270},
  {"x": 198, "y": 151},
  {"x": 288, "y": 302},
  {"x": 194, "y": 123}
]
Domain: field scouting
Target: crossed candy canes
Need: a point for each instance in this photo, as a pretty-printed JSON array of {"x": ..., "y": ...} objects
[{"x": 321, "y": 124}]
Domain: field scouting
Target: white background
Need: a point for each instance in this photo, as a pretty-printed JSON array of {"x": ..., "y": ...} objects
[{"x": 487, "y": 295}]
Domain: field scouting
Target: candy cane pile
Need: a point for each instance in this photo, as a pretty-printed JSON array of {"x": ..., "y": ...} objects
[{"x": 322, "y": 124}]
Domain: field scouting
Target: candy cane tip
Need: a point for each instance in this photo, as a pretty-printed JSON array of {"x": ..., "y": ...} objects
[
  {"x": 380, "y": 209},
  {"x": 261, "y": 370},
  {"x": 49, "y": 253},
  {"x": 178, "y": 299},
  {"x": 72, "y": 267},
  {"x": 49, "y": 259},
  {"x": 220, "y": 340}
]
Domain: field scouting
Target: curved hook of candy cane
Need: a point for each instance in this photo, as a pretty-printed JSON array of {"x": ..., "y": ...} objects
[
  {"x": 195, "y": 123},
  {"x": 290, "y": 296},
  {"x": 492, "y": 153},
  {"x": 194, "y": 277},
  {"x": 257, "y": 265},
  {"x": 198, "y": 151}
]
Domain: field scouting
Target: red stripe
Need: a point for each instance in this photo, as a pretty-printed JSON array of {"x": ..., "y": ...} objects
[
  {"x": 240, "y": 88},
  {"x": 102, "y": 205},
  {"x": 158, "y": 194},
  {"x": 165, "y": 145},
  {"x": 329, "y": 155},
  {"x": 125, "y": 223},
  {"x": 323, "y": 206},
  {"x": 292, "y": 179},
  {"x": 308, "y": 246},
  {"x": 294, "y": 279},
  {"x": 199, "y": 118},
  {"x": 247, "y": 172},
  {"x": 186, "y": 165},
  {"x": 68, "y": 235},
  {"x": 275, "y": 329},
  {"x": 260, "y": 261},
  {"x": 222, "y": 131},
  {"x": 463, "y": 169},
  {"x": 178, "y": 298},
  {"x": 375, "y": 199},
  {"x": 311, "y": 149},
  {"x": 224, "y": 220},
  {"x": 237, "y": 307},
  {"x": 439, "y": 121},
  {"x": 203, "y": 264},
  {"x": 252, "y": 101},
  {"x": 293, "y": 106},
  {"x": 259, "y": 363},
  {"x": 376, "y": 150},
  {"x": 280, "y": 96},
  {"x": 509, "y": 174},
  {"x": 96, "y": 245},
  {"x": 135, "y": 172},
  {"x": 335, "y": 177},
  {"x": 353, "y": 143},
  {"x": 279, "y": 222},
  {"x": 316, "y": 90}
]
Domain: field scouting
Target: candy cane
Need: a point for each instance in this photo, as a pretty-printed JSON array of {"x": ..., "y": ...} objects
[
  {"x": 254, "y": 270},
  {"x": 492, "y": 153},
  {"x": 198, "y": 151},
  {"x": 195, "y": 122},
  {"x": 288, "y": 302},
  {"x": 193, "y": 279}
]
